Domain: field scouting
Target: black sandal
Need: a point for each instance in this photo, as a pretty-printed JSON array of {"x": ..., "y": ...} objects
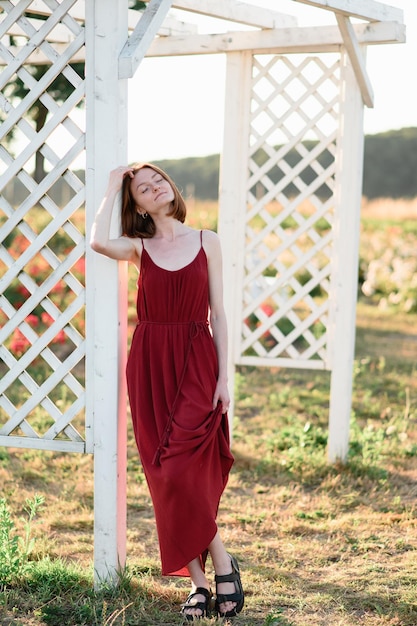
[
  {"x": 204, "y": 607},
  {"x": 238, "y": 596}
]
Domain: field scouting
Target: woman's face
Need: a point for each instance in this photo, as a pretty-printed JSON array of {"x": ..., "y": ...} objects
[{"x": 150, "y": 191}]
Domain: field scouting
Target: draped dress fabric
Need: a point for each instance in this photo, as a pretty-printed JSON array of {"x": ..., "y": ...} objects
[{"x": 171, "y": 375}]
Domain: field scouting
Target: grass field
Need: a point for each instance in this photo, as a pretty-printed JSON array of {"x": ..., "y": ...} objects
[{"x": 319, "y": 545}]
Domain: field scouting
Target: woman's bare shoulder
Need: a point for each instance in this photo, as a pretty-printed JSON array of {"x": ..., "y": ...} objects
[
  {"x": 210, "y": 237},
  {"x": 211, "y": 244}
]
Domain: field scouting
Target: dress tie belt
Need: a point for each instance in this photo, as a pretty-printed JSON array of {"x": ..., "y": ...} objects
[
  {"x": 195, "y": 328},
  {"x": 162, "y": 323}
]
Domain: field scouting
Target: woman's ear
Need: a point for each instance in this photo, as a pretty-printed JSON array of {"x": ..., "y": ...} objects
[{"x": 141, "y": 212}]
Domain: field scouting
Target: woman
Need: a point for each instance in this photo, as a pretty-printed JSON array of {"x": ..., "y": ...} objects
[{"x": 176, "y": 374}]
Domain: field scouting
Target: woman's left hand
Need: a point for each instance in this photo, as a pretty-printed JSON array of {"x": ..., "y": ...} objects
[{"x": 221, "y": 394}]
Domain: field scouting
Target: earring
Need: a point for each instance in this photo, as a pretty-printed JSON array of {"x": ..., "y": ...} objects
[{"x": 144, "y": 215}]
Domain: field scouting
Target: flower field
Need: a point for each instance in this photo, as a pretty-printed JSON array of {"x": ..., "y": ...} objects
[{"x": 388, "y": 257}]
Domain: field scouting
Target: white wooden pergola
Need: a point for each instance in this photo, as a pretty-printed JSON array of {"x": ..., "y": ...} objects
[{"x": 290, "y": 191}]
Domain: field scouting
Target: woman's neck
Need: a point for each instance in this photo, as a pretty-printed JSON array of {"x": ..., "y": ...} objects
[{"x": 169, "y": 229}]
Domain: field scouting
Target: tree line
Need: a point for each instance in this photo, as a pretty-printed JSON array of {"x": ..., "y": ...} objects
[
  {"x": 390, "y": 168},
  {"x": 390, "y": 171}
]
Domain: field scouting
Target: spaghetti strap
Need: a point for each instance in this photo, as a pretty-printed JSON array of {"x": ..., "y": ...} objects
[
  {"x": 201, "y": 238},
  {"x": 143, "y": 246}
]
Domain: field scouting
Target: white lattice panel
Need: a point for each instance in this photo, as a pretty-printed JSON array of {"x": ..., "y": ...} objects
[
  {"x": 42, "y": 243},
  {"x": 294, "y": 121}
]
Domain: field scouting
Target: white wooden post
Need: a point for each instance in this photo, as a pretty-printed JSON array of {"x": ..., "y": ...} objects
[
  {"x": 346, "y": 245},
  {"x": 106, "y": 32},
  {"x": 232, "y": 195}
]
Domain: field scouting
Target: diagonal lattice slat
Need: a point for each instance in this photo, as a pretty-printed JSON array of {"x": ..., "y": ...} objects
[
  {"x": 42, "y": 242},
  {"x": 286, "y": 278}
]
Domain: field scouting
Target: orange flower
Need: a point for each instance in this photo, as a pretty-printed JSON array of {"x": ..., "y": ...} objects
[{"x": 46, "y": 318}]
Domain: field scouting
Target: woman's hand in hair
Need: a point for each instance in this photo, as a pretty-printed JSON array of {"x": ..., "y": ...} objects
[
  {"x": 118, "y": 175},
  {"x": 120, "y": 248}
]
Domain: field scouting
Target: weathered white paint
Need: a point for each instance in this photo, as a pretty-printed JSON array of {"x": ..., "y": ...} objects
[
  {"x": 274, "y": 41},
  {"x": 272, "y": 253},
  {"x": 170, "y": 26},
  {"x": 346, "y": 256},
  {"x": 147, "y": 28},
  {"x": 356, "y": 58},
  {"x": 278, "y": 41},
  {"x": 362, "y": 9},
  {"x": 232, "y": 194},
  {"x": 60, "y": 34},
  {"x": 61, "y": 370},
  {"x": 239, "y": 12},
  {"x": 33, "y": 443},
  {"x": 106, "y": 27}
]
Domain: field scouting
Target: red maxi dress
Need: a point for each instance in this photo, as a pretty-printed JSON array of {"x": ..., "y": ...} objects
[{"x": 171, "y": 375}]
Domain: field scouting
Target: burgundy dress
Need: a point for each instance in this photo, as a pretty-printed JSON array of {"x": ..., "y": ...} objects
[{"x": 171, "y": 376}]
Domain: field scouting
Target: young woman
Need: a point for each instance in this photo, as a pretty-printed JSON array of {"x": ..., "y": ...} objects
[{"x": 176, "y": 375}]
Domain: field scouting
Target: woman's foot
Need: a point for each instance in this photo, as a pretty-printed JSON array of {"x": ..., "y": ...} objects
[
  {"x": 197, "y": 605},
  {"x": 229, "y": 591}
]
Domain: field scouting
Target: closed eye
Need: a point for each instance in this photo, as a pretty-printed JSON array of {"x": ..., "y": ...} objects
[{"x": 156, "y": 180}]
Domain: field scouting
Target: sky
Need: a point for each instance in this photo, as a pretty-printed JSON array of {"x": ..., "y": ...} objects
[{"x": 176, "y": 103}]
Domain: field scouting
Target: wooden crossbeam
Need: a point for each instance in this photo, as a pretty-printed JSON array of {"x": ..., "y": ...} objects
[
  {"x": 240, "y": 12},
  {"x": 356, "y": 58},
  {"x": 362, "y": 9},
  {"x": 58, "y": 445},
  {"x": 142, "y": 36},
  {"x": 276, "y": 41},
  {"x": 244, "y": 13},
  {"x": 305, "y": 39}
]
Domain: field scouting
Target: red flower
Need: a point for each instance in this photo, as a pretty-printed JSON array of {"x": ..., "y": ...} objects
[
  {"x": 60, "y": 337},
  {"x": 58, "y": 288},
  {"x": 23, "y": 291},
  {"x": 32, "y": 320},
  {"x": 267, "y": 309},
  {"x": 18, "y": 343}
]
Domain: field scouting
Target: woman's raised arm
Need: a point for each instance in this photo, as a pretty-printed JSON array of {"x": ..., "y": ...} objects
[{"x": 121, "y": 248}]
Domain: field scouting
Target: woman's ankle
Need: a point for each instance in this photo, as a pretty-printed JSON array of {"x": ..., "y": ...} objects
[{"x": 197, "y": 575}]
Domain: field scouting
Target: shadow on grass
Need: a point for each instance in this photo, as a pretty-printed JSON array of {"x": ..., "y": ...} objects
[
  {"x": 67, "y": 598},
  {"x": 344, "y": 600},
  {"x": 357, "y": 477},
  {"x": 398, "y": 346}
]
